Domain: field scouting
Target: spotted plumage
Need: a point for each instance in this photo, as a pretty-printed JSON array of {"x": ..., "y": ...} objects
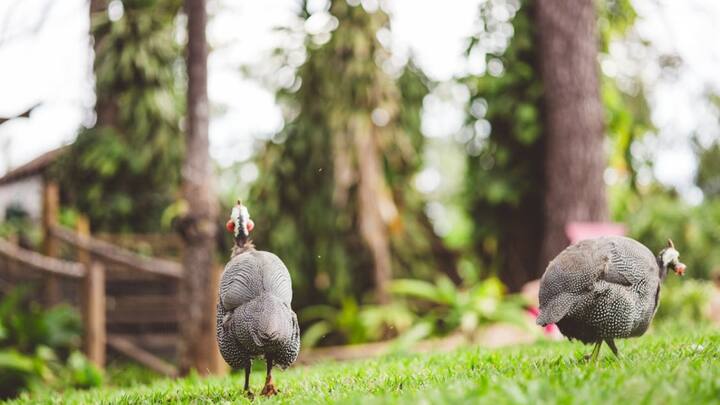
[
  {"x": 254, "y": 313},
  {"x": 605, "y": 288}
]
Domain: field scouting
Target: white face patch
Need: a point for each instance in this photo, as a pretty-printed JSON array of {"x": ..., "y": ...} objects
[
  {"x": 670, "y": 255},
  {"x": 240, "y": 215}
]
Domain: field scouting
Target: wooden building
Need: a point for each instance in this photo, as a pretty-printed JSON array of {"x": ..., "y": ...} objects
[{"x": 22, "y": 188}]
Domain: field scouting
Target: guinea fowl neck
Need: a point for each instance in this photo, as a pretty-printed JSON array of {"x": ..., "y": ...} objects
[
  {"x": 663, "y": 268},
  {"x": 242, "y": 245}
]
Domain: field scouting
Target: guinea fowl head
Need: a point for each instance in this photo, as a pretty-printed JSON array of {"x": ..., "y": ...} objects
[
  {"x": 240, "y": 224},
  {"x": 668, "y": 259}
]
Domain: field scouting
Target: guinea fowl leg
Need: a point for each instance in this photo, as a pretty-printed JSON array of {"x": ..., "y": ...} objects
[
  {"x": 611, "y": 344},
  {"x": 247, "y": 380},
  {"x": 595, "y": 352},
  {"x": 269, "y": 388}
]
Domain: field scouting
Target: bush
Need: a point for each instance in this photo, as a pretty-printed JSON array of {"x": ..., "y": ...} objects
[
  {"x": 20, "y": 228},
  {"x": 39, "y": 348},
  {"x": 420, "y": 309},
  {"x": 444, "y": 307},
  {"x": 353, "y": 323},
  {"x": 685, "y": 301},
  {"x": 695, "y": 230}
]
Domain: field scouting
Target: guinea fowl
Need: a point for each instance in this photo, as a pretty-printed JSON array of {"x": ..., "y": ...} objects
[
  {"x": 254, "y": 316},
  {"x": 601, "y": 289}
]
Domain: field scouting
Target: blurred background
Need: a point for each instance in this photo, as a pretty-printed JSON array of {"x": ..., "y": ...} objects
[{"x": 416, "y": 164}]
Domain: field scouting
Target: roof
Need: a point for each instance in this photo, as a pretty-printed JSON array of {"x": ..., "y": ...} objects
[{"x": 33, "y": 167}]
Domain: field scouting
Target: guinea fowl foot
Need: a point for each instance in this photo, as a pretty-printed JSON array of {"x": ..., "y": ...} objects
[
  {"x": 249, "y": 395},
  {"x": 269, "y": 390},
  {"x": 593, "y": 357}
]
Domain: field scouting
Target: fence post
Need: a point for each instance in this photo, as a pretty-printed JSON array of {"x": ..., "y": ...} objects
[
  {"x": 94, "y": 313},
  {"x": 51, "y": 206},
  {"x": 82, "y": 228}
]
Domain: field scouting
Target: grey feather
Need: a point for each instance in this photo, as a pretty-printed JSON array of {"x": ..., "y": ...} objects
[
  {"x": 249, "y": 274},
  {"x": 255, "y": 317},
  {"x": 600, "y": 289}
]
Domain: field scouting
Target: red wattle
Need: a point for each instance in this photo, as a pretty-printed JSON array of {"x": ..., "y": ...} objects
[
  {"x": 230, "y": 225},
  {"x": 250, "y": 225}
]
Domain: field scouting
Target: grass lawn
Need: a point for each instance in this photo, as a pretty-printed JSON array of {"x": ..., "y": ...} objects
[{"x": 671, "y": 365}]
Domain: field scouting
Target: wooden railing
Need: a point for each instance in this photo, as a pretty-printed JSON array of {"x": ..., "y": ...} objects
[
  {"x": 93, "y": 259},
  {"x": 114, "y": 254},
  {"x": 96, "y": 260},
  {"x": 93, "y": 250},
  {"x": 92, "y": 277},
  {"x": 36, "y": 261}
]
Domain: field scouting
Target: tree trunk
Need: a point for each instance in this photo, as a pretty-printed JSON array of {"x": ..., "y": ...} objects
[
  {"x": 198, "y": 230},
  {"x": 372, "y": 192},
  {"x": 574, "y": 157},
  {"x": 105, "y": 104},
  {"x": 521, "y": 234}
]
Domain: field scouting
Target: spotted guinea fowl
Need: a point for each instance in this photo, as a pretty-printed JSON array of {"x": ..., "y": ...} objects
[
  {"x": 601, "y": 289},
  {"x": 254, "y": 316}
]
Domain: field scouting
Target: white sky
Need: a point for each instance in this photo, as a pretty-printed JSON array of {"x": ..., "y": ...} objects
[{"x": 53, "y": 66}]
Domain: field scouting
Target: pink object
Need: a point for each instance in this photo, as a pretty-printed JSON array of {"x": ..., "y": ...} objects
[
  {"x": 549, "y": 329},
  {"x": 577, "y": 231}
]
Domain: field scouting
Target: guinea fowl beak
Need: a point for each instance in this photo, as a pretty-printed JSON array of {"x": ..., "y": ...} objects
[{"x": 680, "y": 269}]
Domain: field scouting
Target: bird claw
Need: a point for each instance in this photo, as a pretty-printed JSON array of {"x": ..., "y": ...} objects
[
  {"x": 269, "y": 390},
  {"x": 249, "y": 395}
]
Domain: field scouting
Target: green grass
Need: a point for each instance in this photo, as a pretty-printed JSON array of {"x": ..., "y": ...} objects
[{"x": 673, "y": 365}]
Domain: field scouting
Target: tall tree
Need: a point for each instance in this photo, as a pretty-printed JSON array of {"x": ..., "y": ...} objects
[
  {"x": 505, "y": 166},
  {"x": 335, "y": 188},
  {"x": 198, "y": 229},
  {"x": 574, "y": 155},
  {"x": 507, "y": 120},
  {"x": 123, "y": 172}
]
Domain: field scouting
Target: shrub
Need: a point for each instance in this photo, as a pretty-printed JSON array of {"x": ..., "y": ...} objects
[
  {"x": 654, "y": 218},
  {"x": 352, "y": 323},
  {"x": 444, "y": 307},
  {"x": 39, "y": 347},
  {"x": 685, "y": 301}
]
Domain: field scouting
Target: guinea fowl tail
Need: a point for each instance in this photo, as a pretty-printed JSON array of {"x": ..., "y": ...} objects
[{"x": 275, "y": 323}]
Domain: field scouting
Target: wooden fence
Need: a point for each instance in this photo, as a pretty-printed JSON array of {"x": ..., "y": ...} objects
[
  {"x": 143, "y": 293},
  {"x": 129, "y": 302},
  {"x": 92, "y": 277},
  {"x": 105, "y": 273}
]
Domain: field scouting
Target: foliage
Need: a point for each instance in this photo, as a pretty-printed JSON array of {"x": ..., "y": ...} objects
[
  {"x": 353, "y": 130},
  {"x": 670, "y": 366},
  {"x": 684, "y": 301},
  {"x": 504, "y": 132},
  {"x": 128, "y": 374},
  {"x": 420, "y": 309},
  {"x": 655, "y": 216},
  {"x": 352, "y": 324},
  {"x": 627, "y": 113},
  {"x": 124, "y": 171},
  {"x": 18, "y": 226},
  {"x": 446, "y": 307},
  {"x": 504, "y": 142},
  {"x": 38, "y": 348},
  {"x": 708, "y": 171},
  {"x": 628, "y": 119}
]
